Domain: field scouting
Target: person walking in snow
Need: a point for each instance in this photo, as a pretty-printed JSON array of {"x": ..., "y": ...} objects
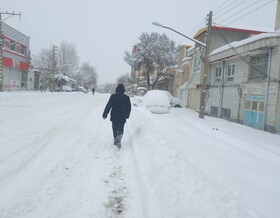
[
  {"x": 120, "y": 107},
  {"x": 93, "y": 90}
]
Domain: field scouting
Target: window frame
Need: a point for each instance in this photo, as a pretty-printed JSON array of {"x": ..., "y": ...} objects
[
  {"x": 218, "y": 74},
  {"x": 226, "y": 112},
  {"x": 258, "y": 66},
  {"x": 214, "y": 111},
  {"x": 230, "y": 72}
]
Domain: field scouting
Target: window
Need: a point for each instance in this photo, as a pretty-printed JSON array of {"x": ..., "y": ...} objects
[
  {"x": 225, "y": 112},
  {"x": 261, "y": 106},
  {"x": 7, "y": 43},
  {"x": 22, "y": 50},
  {"x": 17, "y": 48},
  {"x": 214, "y": 111},
  {"x": 13, "y": 46},
  {"x": 230, "y": 72},
  {"x": 254, "y": 105},
  {"x": 258, "y": 66},
  {"x": 248, "y": 104},
  {"x": 218, "y": 74}
]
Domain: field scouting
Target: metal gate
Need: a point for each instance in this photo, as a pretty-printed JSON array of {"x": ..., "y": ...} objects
[{"x": 254, "y": 112}]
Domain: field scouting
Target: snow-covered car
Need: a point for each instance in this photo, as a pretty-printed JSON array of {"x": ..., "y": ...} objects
[
  {"x": 66, "y": 89},
  {"x": 82, "y": 89},
  {"x": 156, "y": 101},
  {"x": 174, "y": 102}
]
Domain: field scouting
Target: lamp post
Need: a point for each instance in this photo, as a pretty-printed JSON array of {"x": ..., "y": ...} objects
[
  {"x": 204, "y": 71},
  {"x": 194, "y": 40}
]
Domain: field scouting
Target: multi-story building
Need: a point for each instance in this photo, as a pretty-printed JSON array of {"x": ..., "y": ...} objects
[
  {"x": 220, "y": 37},
  {"x": 244, "y": 77},
  {"x": 244, "y": 82},
  {"x": 182, "y": 75},
  {"x": 15, "y": 60}
]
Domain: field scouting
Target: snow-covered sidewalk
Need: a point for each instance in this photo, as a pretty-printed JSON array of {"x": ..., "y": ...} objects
[{"x": 57, "y": 160}]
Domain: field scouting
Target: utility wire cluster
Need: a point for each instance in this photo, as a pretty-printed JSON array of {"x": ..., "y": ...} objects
[
  {"x": 231, "y": 11},
  {"x": 234, "y": 10},
  {"x": 40, "y": 36}
]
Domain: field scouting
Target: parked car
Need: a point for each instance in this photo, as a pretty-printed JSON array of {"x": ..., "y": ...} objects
[
  {"x": 156, "y": 101},
  {"x": 82, "y": 89},
  {"x": 174, "y": 102},
  {"x": 66, "y": 89}
]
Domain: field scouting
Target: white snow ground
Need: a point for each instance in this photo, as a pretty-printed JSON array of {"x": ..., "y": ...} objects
[{"x": 57, "y": 160}]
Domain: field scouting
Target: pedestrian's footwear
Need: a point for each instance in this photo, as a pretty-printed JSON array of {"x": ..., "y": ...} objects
[{"x": 117, "y": 141}]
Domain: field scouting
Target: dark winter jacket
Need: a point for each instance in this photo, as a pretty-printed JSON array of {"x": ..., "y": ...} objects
[{"x": 119, "y": 104}]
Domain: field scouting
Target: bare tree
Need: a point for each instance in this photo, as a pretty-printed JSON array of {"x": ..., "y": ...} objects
[
  {"x": 86, "y": 76},
  {"x": 43, "y": 60},
  {"x": 125, "y": 79},
  {"x": 68, "y": 59}
]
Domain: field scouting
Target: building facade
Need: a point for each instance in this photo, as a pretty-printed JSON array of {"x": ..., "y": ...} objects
[
  {"x": 220, "y": 36},
  {"x": 244, "y": 82},
  {"x": 15, "y": 60}
]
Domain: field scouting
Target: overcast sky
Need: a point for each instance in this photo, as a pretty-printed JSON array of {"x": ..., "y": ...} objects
[{"x": 103, "y": 29}]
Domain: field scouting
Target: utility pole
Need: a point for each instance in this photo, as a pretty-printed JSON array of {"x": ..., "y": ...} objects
[
  {"x": 1, "y": 47},
  {"x": 54, "y": 66},
  {"x": 205, "y": 69}
]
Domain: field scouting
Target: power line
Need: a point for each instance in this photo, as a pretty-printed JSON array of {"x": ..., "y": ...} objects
[
  {"x": 250, "y": 12},
  {"x": 225, "y": 7},
  {"x": 221, "y": 5},
  {"x": 37, "y": 32},
  {"x": 197, "y": 28},
  {"x": 238, "y": 4},
  {"x": 240, "y": 11}
]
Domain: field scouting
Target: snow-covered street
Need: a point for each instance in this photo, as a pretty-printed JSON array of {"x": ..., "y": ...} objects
[{"x": 57, "y": 160}]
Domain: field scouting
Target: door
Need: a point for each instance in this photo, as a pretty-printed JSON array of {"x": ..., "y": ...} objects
[{"x": 254, "y": 112}]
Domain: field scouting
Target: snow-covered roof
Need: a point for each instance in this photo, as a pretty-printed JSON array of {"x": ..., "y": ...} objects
[{"x": 246, "y": 41}]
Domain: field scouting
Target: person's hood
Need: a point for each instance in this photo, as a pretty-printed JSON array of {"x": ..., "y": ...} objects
[{"x": 120, "y": 89}]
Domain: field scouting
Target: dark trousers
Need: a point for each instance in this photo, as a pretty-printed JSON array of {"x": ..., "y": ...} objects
[{"x": 118, "y": 129}]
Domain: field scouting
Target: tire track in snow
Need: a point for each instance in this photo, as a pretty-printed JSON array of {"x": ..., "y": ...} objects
[
  {"x": 21, "y": 158},
  {"x": 41, "y": 156}
]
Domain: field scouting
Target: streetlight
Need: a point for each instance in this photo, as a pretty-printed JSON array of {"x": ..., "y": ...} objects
[
  {"x": 194, "y": 40},
  {"x": 204, "y": 71}
]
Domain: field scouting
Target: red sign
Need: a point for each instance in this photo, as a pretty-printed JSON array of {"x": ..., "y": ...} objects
[{"x": 8, "y": 62}]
